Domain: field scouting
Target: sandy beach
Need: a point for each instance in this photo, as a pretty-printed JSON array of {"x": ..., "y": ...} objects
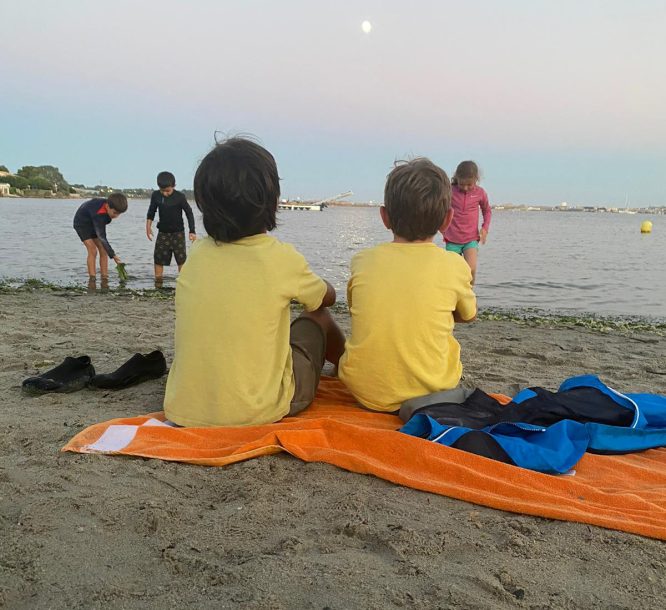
[{"x": 89, "y": 531}]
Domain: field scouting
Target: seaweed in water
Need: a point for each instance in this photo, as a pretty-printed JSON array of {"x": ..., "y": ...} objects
[{"x": 122, "y": 273}]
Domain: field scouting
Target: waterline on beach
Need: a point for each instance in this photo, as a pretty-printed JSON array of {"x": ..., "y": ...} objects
[{"x": 524, "y": 315}]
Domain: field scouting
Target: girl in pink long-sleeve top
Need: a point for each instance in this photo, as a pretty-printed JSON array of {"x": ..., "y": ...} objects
[{"x": 463, "y": 235}]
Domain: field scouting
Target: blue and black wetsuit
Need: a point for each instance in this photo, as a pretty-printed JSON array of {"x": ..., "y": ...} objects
[{"x": 90, "y": 222}]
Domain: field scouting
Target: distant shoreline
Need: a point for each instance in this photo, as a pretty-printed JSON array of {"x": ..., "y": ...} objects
[{"x": 500, "y": 207}]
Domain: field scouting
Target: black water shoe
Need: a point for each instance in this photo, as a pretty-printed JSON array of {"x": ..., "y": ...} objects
[
  {"x": 73, "y": 374},
  {"x": 138, "y": 368}
]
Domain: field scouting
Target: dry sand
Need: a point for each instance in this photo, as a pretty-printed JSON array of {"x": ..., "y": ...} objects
[{"x": 88, "y": 531}]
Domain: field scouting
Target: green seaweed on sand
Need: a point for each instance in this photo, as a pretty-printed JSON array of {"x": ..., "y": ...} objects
[
  {"x": 15, "y": 286},
  {"x": 592, "y": 322}
]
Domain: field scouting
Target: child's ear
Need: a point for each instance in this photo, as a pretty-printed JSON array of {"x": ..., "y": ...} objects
[
  {"x": 447, "y": 221},
  {"x": 385, "y": 217}
]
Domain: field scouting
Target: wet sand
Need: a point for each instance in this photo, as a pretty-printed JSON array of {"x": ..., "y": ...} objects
[{"x": 86, "y": 531}]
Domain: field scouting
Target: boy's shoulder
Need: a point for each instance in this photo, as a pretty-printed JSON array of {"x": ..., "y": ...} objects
[
  {"x": 390, "y": 255},
  {"x": 281, "y": 260},
  {"x": 376, "y": 250},
  {"x": 178, "y": 197},
  {"x": 387, "y": 249},
  {"x": 282, "y": 251},
  {"x": 367, "y": 254},
  {"x": 421, "y": 259},
  {"x": 273, "y": 247},
  {"x": 92, "y": 204}
]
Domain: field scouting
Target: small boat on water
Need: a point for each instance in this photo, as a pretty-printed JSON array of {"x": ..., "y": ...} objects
[
  {"x": 300, "y": 205},
  {"x": 318, "y": 206}
]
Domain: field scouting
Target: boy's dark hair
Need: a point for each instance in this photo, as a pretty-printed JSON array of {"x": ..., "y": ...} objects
[
  {"x": 165, "y": 180},
  {"x": 466, "y": 170},
  {"x": 417, "y": 197},
  {"x": 118, "y": 202},
  {"x": 237, "y": 188}
]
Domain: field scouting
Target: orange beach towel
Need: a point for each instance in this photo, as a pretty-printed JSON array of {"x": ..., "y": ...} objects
[{"x": 625, "y": 493}]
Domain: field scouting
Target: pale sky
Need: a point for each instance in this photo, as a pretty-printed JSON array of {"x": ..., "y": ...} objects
[{"x": 561, "y": 100}]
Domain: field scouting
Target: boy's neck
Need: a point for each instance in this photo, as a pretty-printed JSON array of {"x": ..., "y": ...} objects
[{"x": 401, "y": 240}]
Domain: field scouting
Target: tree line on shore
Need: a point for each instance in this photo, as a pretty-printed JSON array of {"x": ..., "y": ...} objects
[
  {"x": 42, "y": 178},
  {"x": 48, "y": 181}
]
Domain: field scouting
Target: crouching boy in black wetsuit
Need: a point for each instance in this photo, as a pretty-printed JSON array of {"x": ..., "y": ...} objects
[
  {"x": 171, "y": 237},
  {"x": 90, "y": 223}
]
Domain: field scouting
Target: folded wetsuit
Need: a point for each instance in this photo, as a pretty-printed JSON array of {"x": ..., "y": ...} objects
[{"x": 546, "y": 431}]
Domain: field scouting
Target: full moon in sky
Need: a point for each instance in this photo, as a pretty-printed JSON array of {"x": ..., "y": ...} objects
[{"x": 366, "y": 26}]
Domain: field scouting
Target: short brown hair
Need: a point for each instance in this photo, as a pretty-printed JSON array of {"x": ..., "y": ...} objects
[
  {"x": 118, "y": 202},
  {"x": 417, "y": 197}
]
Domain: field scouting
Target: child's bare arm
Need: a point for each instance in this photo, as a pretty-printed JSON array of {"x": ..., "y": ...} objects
[
  {"x": 465, "y": 310},
  {"x": 457, "y": 317},
  {"x": 486, "y": 212},
  {"x": 329, "y": 297}
]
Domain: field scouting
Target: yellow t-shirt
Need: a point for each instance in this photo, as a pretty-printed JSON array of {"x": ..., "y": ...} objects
[
  {"x": 232, "y": 364},
  {"x": 402, "y": 298}
]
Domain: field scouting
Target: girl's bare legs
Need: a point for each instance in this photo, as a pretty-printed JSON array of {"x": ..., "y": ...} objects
[
  {"x": 91, "y": 258},
  {"x": 471, "y": 256}
]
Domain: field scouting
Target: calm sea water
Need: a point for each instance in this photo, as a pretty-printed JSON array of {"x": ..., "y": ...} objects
[{"x": 561, "y": 262}]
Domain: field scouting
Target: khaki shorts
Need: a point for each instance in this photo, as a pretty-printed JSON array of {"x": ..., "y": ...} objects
[{"x": 308, "y": 349}]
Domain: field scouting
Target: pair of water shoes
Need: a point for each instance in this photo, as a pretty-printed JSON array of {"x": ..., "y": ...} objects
[{"x": 77, "y": 373}]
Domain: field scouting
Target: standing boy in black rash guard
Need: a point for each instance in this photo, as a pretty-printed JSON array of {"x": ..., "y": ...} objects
[
  {"x": 90, "y": 223},
  {"x": 171, "y": 237}
]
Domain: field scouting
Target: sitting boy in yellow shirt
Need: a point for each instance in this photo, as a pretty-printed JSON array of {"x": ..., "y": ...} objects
[
  {"x": 404, "y": 297},
  {"x": 237, "y": 359}
]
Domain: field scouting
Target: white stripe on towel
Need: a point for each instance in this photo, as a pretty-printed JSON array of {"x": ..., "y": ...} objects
[{"x": 117, "y": 437}]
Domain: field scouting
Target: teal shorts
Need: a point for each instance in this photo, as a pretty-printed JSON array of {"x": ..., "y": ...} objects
[{"x": 460, "y": 248}]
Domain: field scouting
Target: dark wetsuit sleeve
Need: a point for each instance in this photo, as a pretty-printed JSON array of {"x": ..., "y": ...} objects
[
  {"x": 152, "y": 208},
  {"x": 190, "y": 216},
  {"x": 100, "y": 230}
]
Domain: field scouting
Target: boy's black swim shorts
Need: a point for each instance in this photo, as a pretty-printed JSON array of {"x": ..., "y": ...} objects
[{"x": 167, "y": 244}]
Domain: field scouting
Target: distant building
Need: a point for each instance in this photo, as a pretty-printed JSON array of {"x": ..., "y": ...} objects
[{"x": 4, "y": 189}]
